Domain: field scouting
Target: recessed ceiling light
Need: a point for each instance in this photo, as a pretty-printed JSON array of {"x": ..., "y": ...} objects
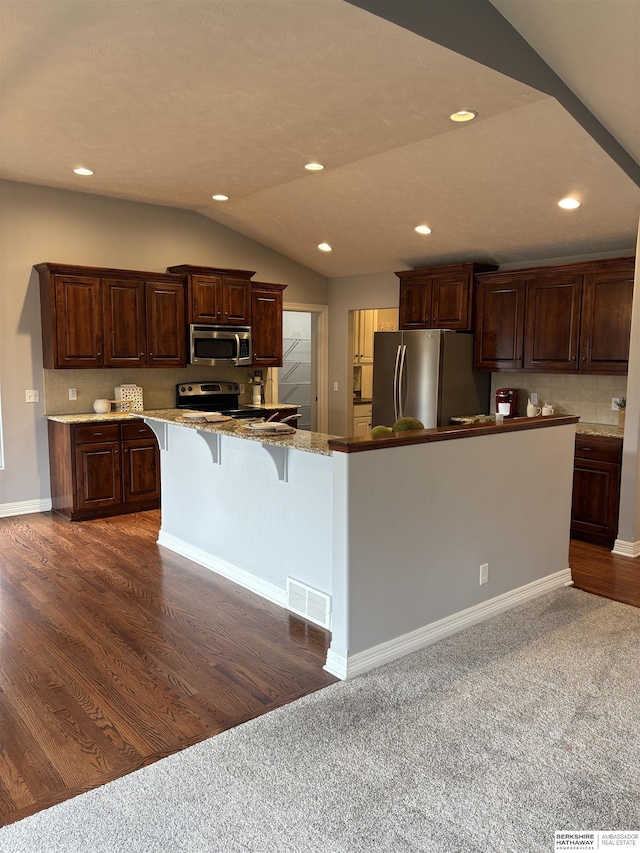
[
  {"x": 422, "y": 229},
  {"x": 324, "y": 247},
  {"x": 463, "y": 115},
  {"x": 82, "y": 171},
  {"x": 314, "y": 167},
  {"x": 220, "y": 197},
  {"x": 569, "y": 203}
]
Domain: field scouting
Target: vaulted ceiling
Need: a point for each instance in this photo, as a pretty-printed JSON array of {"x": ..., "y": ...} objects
[{"x": 171, "y": 102}]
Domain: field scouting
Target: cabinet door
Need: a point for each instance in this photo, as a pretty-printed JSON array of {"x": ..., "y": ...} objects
[
  {"x": 596, "y": 492},
  {"x": 366, "y": 327},
  {"x": 499, "y": 327},
  {"x": 266, "y": 327},
  {"x": 205, "y": 299},
  {"x": 125, "y": 340},
  {"x": 553, "y": 322},
  {"x": 141, "y": 470},
  {"x": 97, "y": 475},
  {"x": 79, "y": 329},
  {"x": 451, "y": 303},
  {"x": 606, "y": 321},
  {"x": 362, "y": 425},
  {"x": 236, "y": 301},
  {"x": 166, "y": 326},
  {"x": 415, "y": 302}
]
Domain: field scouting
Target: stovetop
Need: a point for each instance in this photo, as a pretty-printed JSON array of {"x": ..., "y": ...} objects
[{"x": 215, "y": 396}]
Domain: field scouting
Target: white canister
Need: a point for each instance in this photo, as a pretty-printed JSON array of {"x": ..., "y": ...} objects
[
  {"x": 547, "y": 409},
  {"x": 102, "y": 407}
]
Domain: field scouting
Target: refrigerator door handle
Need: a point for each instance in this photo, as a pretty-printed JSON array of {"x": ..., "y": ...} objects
[
  {"x": 396, "y": 386},
  {"x": 401, "y": 381}
]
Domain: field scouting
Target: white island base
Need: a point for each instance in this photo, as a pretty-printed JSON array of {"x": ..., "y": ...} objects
[{"x": 394, "y": 536}]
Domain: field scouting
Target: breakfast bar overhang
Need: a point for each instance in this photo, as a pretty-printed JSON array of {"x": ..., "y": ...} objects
[{"x": 393, "y": 529}]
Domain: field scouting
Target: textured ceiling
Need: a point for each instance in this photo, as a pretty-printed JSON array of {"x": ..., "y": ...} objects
[{"x": 170, "y": 102}]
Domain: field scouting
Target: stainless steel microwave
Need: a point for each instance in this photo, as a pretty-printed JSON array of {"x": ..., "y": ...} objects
[{"x": 220, "y": 345}]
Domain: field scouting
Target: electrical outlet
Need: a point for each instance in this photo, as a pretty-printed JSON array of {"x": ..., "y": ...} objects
[
  {"x": 32, "y": 396},
  {"x": 335, "y": 386},
  {"x": 534, "y": 398},
  {"x": 73, "y": 393},
  {"x": 615, "y": 404},
  {"x": 484, "y": 573}
]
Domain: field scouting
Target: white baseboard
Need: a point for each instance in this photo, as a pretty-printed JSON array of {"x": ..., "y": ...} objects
[
  {"x": 348, "y": 666},
  {"x": 234, "y": 573},
  {"x": 626, "y": 549},
  {"x": 24, "y": 508}
]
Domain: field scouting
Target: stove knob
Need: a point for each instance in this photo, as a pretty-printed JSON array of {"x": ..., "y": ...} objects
[
  {"x": 229, "y": 387},
  {"x": 182, "y": 389},
  {"x": 190, "y": 388}
]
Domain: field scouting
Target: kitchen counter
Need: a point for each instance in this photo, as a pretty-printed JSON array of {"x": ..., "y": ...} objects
[
  {"x": 93, "y": 418},
  {"x": 308, "y": 442},
  {"x": 386, "y": 546},
  {"x": 582, "y": 428}
]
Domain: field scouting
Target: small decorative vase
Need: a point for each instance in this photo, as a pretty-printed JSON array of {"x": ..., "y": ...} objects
[{"x": 621, "y": 414}]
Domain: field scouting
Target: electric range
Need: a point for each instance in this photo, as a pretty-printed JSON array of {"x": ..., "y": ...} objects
[{"x": 215, "y": 396}]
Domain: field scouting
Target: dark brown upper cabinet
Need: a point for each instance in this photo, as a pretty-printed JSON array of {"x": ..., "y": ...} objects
[
  {"x": 607, "y": 297},
  {"x": 438, "y": 297},
  {"x": 217, "y": 296},
  {"x": 99, "y": 317},
  {"x": 266, "y": 329},
  {"x": 552, "y": 314},
  {"x": 565, "y": 319},
  {"x": 499, "y": 333}
]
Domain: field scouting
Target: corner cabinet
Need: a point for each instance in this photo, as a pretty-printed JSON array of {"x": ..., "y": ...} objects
[
  {"x": 565, "y": 319},
  {"x": 217, "y": 296},
  {"x": 103, "y": 469},
  {"x": 99, "y": 317},
  {"x": 438, "y": 297},
  {"x": 266, "y": 324}
]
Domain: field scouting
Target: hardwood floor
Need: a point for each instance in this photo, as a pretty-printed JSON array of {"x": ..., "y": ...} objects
[
  {"x": 115, "y": 653},
  {"x": 595, "y": 569}
]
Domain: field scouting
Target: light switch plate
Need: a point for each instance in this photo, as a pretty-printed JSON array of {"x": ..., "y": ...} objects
[
  {"x": 534, "y": 398},
  {"x": 32, "y": 396},
  {"x": 73, "y": 393}
]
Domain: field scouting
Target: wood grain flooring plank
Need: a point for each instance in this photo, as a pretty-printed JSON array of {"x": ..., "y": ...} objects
[{"x": 122, "y": 652}]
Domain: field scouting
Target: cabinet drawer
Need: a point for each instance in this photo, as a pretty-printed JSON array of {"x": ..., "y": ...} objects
[
  {"x": 136, "y": 429},
  {"x": 96, "y": 432},
  {"x": 598, "y": 448}
]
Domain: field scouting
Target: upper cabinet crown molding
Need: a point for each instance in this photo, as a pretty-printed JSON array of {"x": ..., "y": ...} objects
[
  {"x": 564, "y": 319},
  {"x": 439, "y": 297}
]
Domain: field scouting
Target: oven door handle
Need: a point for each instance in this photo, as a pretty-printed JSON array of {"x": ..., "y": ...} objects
[{"x": 237, "y": 337}]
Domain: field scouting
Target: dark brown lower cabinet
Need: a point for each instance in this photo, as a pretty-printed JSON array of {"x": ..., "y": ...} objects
[
  {"x": 596, "y": 489},
  {"x": 103, "y": 469}
]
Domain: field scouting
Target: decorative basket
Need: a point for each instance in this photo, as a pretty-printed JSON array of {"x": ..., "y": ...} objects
[{"x": 132, "y": 394}]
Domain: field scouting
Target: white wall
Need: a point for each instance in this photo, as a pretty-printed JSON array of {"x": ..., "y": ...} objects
[{"x": 43, "y": 224}]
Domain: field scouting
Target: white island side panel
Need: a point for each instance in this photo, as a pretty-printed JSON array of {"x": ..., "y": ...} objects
[{"x": 238, "y": 512}]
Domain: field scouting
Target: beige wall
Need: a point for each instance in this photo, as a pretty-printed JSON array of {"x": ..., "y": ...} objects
[
  {"x": 42, "y": 224},
  {"x": 351, "y": 293}
]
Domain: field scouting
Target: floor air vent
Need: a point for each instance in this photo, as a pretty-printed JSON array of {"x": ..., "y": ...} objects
[{"x": 310, "y": 603}]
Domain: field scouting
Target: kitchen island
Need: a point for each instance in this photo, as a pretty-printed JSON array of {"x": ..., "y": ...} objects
[{"x": 389, "y": 532}]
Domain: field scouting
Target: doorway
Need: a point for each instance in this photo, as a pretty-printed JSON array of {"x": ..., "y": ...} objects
[{"x": 302, "y": 379}]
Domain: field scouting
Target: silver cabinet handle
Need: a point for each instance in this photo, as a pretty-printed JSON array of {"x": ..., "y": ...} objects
[{"x": 237, "y": 337}]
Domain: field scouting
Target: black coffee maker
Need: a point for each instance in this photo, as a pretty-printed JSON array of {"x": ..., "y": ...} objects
[{"x": 506, "y": 401}]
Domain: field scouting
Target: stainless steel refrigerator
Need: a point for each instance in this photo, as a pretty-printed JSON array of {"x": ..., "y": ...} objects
[{"x": 426, "y": 374}]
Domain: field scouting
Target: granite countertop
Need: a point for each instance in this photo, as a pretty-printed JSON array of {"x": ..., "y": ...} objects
[
  {"x": 582, "y": 428},
  {"x": 309, "y": 442},
  {"x": 93, "y": 418}
]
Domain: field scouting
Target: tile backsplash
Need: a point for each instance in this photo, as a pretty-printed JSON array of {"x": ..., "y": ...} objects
[
  {"x": 570, "y": 394},
  {"x": 158, "y": 385}
]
